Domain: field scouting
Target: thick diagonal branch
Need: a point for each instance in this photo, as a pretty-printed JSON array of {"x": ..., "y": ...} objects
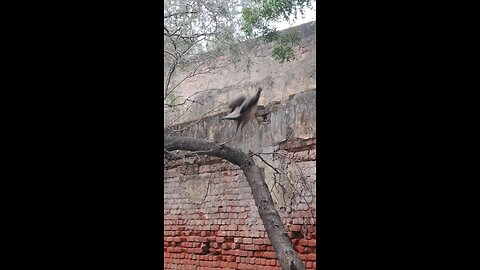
[{"x": 284, "y": 251}]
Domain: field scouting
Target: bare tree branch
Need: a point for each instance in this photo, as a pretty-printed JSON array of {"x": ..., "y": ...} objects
[
  {"x": 193, "y": 122},
  {"x": 179, "y": 14},
  {"x": 286, "y": 255}
]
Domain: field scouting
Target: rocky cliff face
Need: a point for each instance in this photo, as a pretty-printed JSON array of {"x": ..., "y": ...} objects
[{"x": 221, "y": 80}]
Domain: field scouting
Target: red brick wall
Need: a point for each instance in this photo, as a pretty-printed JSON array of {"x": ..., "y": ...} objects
[{"x": 225, "y": 231}]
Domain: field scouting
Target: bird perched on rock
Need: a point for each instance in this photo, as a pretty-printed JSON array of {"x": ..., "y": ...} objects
[{"x": 243, "y": 109}]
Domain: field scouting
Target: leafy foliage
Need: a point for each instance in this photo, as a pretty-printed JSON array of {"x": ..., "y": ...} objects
[
  {"x": 283, "y": 50},
  {"x": 259, "y": 18}
]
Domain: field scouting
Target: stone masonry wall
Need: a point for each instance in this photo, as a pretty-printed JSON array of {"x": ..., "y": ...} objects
[
  {"x": 211, "y": 221},
  {"x": 210, "y": 218}
]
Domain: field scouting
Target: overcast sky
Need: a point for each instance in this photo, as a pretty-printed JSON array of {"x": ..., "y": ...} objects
[{"x": 310, "y": 15}]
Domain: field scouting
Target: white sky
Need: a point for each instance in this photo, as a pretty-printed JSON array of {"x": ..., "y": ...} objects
[{"x": 310, "y": 15}]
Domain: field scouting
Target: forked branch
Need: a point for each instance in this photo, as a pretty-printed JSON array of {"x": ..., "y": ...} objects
[{"x": 284, "y": 251}]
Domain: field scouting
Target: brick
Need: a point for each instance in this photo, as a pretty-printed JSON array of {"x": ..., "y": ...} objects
[
  {"x": 243, "y": 266},
  {"x": 258, "y": 241},
  {"x": 295, "y": 228},
  {"x": 303, "y": 242},
  {"x": 213, "y": 264},
  {"x": 242, "y": 215},
  {"x": 247, "y": 240},
  {"x": 239, "y": 221},
  {"x": 312, "y": 243},
  {"x": 271, "y": 262},
  {"x": 312, "y": 257},
  {"x": 228, "y": 252},
  {"x": 232, "y": 227},
  {"x": 297, "y": 221},
  {"x": 269, "y": 254},
  {"x": 242, "y": 228},
  {"x": 211, "y": 238},
  {"x": 299, "y": 249}
]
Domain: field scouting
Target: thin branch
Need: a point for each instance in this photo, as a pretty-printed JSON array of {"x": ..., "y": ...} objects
[
  {"x": 179, "y": 13},
  {"x": 193, "y": 122},
  {"x": 269, "y": 165}
]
